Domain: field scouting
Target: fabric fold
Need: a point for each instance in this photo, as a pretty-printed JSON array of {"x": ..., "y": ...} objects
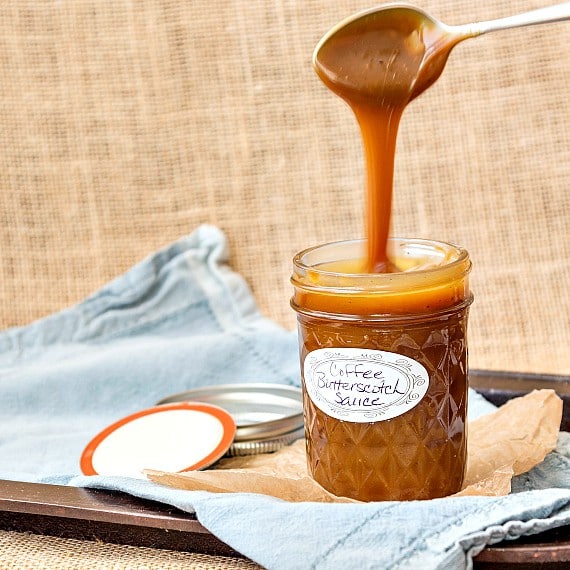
[{"x": 180, "y": 318}]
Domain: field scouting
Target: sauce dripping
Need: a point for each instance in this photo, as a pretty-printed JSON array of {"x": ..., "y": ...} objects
[{"x": 378, "y": 62}]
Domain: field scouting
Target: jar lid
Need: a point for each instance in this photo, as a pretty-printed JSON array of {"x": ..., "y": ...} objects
[
  {"x": 267, "y": 416},
  {"x": 177, "y": 437}
]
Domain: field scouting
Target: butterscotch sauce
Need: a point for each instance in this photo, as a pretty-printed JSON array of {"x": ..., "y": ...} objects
[
  {"x": 382, "y": 328},
  {"x": 349, "y": 320},
  {"x": 378, "y": 63}
]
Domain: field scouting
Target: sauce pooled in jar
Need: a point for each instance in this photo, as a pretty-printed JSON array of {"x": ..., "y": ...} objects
[{"x": 378, "y": 63}]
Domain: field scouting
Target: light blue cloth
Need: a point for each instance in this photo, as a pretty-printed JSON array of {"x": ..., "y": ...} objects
[{"x": 182, "y": 318}]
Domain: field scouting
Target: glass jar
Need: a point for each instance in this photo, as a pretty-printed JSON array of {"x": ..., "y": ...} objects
[{"x": 384, "y": 365}]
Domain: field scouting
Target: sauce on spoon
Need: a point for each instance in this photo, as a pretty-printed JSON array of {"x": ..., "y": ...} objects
[{"x": 378, "y": 61}]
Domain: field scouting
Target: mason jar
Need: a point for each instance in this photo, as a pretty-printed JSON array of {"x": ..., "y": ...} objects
[{"x": 384, "y": 368}]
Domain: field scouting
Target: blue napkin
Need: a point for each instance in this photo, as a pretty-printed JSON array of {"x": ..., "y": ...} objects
[{"x": 179, "y": 319}]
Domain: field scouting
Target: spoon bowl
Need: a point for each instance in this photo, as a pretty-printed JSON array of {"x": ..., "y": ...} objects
[{"x": 419, "y": 54}]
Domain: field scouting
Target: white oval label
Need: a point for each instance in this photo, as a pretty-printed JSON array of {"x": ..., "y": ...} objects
[{"x": 363, "y": 385}]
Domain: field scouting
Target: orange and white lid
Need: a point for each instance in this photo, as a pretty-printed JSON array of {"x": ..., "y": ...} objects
[{"x": 183, "y": 436}]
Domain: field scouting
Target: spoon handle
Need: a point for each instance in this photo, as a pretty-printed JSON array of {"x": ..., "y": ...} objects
[{"x": 557, "y": 13}]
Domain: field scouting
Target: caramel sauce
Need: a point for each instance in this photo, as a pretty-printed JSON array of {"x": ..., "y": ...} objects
[
  {"x": 421, "y": 454},
  {"x": 378, "y": 64},
  {"x": 420, "y": 313}
]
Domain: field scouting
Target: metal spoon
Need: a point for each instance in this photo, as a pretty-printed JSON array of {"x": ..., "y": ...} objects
[
  {"x": 437, "y": 39},
  {"x": 550, "y": 14}
]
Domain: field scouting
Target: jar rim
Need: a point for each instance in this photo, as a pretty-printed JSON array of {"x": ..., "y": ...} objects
[
  {"x": 434, "y": 275},
  {"x": 461, "y": 257}
]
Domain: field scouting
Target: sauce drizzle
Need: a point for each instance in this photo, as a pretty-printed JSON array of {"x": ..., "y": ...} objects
[{"x": 378, "y": 62}]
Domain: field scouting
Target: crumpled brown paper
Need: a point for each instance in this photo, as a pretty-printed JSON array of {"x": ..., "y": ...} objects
[{"x": 507, "y": 442}]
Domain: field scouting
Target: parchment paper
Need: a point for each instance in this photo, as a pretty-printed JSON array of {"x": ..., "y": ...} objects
[{"x": 507, "y": 442}]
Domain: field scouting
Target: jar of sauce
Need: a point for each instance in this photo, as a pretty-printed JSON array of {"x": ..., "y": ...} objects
[{"x": 384, "y": 366}]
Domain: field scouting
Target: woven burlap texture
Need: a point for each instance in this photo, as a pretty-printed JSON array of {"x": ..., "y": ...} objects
[
  {"x": 124, "y": 125},
  {"x": 20, "y": 551}
]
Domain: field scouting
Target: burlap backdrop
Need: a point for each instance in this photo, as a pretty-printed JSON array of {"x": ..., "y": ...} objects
[{"x": 124, "y": 125}]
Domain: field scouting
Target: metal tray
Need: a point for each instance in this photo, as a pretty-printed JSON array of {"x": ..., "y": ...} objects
[{"x": 88, "y": 514}]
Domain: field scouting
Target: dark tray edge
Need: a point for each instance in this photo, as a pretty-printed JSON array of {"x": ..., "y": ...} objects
[
  {"x": 107, "y": 516},
  {"x": 498, "y": 387}
]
